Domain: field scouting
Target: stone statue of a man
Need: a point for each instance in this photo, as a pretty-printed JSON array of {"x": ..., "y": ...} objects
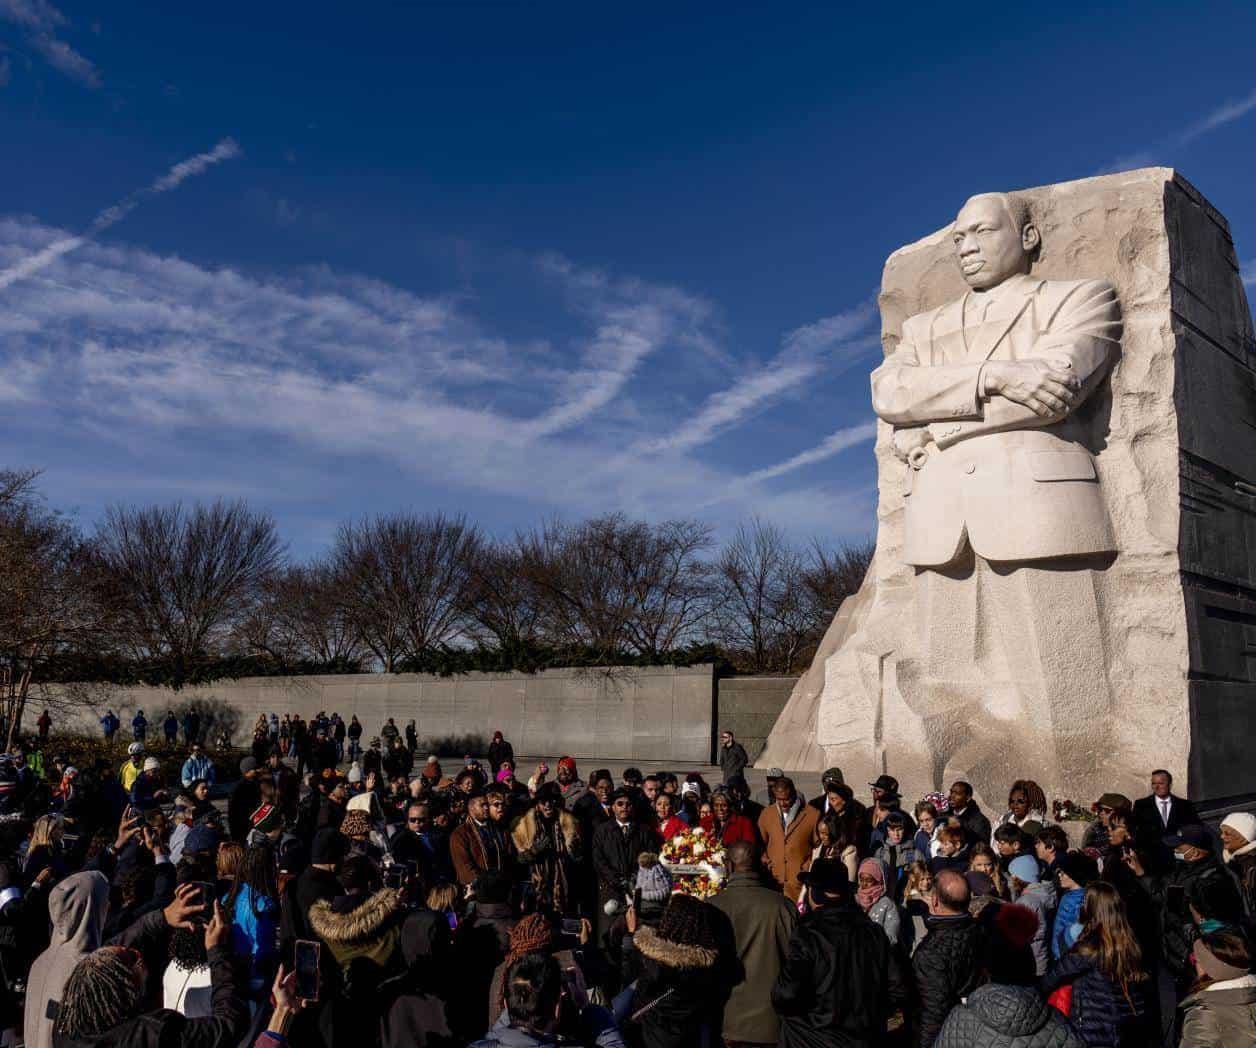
[{"x": 1005, "y": 523}]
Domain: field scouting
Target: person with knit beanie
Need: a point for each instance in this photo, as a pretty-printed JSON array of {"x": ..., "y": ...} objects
[
  {"x": 1038, "y": 896},
  {"x": 680, "y": 992},
  {"x": 655, "y": 885},
  {"x": 1222, "y": 1007},
  {"x": 1008, "y": 1011},
  {"x": 1238, "y": 839},
  {"x": 531, "y": 934}
]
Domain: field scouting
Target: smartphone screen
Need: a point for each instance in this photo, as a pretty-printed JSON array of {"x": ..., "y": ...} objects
[
  {"x": 571, "y": 925},
  {"x": 305, "y": 957},
  {"x": 209, "y": 891}
]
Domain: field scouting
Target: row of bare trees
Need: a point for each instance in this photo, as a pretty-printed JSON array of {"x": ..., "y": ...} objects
[{"x": 175, "y": 593}]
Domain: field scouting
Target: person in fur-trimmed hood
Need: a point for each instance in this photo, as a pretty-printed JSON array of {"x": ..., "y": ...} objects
[
  {"x": 357, "y": 927},
  {"x": 679, "y": 994},
  {"x": 547, "y": 840},
  {"x": 361, "y": 931}
]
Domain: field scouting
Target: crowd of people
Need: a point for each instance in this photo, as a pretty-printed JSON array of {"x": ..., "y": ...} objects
[{"x": 351, "y": 895}]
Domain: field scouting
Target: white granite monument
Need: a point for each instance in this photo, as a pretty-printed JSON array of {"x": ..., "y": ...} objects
[{"x": 1064, "y": 585}]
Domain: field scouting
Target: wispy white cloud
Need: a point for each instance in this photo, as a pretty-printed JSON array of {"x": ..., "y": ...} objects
[
  {"x": 831, "y": 445},
  {"x": 806, "y": 353},
  {"x": 1248, "y": 271},
  {"x": 41, "y": 21},
  {"x": 1226, "y": 113},
  {"x": 141, "y": 357},
  {"x": 111, "y": 216}
]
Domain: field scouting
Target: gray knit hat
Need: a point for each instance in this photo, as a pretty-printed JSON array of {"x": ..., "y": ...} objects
[{"x": 653, "y": 879}]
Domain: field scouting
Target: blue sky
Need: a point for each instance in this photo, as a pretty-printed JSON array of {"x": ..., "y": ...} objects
[{"x": 526, "y": 260}]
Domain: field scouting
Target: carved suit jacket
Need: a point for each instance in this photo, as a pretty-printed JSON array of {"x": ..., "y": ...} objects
[{"x": 1014, "y": 485}]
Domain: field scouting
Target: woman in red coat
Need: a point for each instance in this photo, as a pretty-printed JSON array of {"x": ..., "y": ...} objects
[
  {"x": 670, "y": 824},
  {"x": 727, "y": 825}
]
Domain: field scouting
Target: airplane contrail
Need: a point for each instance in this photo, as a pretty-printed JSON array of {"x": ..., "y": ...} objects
[{"x": 184, "y": 169}]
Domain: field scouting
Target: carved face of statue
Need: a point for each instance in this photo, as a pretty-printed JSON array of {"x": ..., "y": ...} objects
[{"x": 988, "y": 245}]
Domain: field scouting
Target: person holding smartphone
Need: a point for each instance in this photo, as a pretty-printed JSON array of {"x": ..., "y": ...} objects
[{"x": 1195, "y": 890}]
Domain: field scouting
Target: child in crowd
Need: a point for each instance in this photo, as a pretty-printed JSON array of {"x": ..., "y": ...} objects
[
  {"x": 1009, "y": 844},
  {"x": 896, "y": 855},
  {"x": 925, "y": 841},
  {"x": 952, "y": 853}
]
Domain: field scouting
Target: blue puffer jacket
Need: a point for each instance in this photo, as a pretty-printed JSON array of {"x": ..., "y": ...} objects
[
  {"x": 1065, "y": 917},
  {"x": 1099, "y": 1011}
]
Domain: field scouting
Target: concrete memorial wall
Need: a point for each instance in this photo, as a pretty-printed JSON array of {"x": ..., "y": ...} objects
[
  {"x": 1064, "y": 584},
  {"x": 658, "y": 713}
]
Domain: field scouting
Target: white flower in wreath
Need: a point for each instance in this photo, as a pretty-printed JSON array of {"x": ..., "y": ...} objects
[{"x": 698, "y": 849}]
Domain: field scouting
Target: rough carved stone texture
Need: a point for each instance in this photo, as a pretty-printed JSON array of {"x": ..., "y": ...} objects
[{"x": 1174, "y": 429}]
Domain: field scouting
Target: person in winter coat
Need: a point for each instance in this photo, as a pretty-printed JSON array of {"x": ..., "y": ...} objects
[
  {"x": 1107, "y": 974},
  {"x": 724, "y": 824},
  {"x": 616, "y": 847},
  {"x": 947, "y": 963},
  {"x": 763, "y": 922},
  {"x": 965, "y": 811},
  {"x": 1008, "y": 1011},
  {"x": 499, "y": 750},
  {"x": 547, "y": 841},
  {"x": 101, "y": 1006},
  {"x": 840, "y": 982},
  {"x": 139, "y": 725},
  {"x": 412, "y": 1006},
  {"x": 534, "y": 996},
  {"x": 569, "y": 782},
  {"x": 1238, "y": 838},
  {"x": 876, "y": 900},
  {"x": 788, "y": 831},
  {"x": 1222, "y": 1009},
  {"x": 1038, "y": 896},
  {"x": 1075, "y": 871},
  {"x": 682, "y": 983},
  {"x": 78, "y": 908},
  {"x": 733, "y": 757},
  {"x": 1196, "y": 882}
]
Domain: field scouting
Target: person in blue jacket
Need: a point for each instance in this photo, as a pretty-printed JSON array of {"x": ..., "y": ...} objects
[{"x": 1075, "y": 871}]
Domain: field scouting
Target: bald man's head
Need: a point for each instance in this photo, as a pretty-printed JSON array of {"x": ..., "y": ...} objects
[
  {"x": 742, "y": 857},
  {"x": 951, "y": 891}
]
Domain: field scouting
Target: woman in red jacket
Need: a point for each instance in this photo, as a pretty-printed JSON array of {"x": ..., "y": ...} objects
[
  {"x": 669, "y": 824},
  {"x": 726, "y": 824}
]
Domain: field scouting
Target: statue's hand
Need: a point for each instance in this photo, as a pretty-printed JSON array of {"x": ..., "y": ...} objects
[
  {"x": 907, "y": 440},
  {"x": 1045, "y": 387}
]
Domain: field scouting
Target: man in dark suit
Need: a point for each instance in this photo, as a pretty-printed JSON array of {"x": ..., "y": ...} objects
[
  {"x": 617, "y": 844},
  {"x": 1161, "y": 813}
]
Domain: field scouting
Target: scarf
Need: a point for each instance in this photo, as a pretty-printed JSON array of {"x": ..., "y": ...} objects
[
  {"x": 789, "y": 816},
  {"x": 868, "y": 897},
  {"x": 1246, "y": 849}
]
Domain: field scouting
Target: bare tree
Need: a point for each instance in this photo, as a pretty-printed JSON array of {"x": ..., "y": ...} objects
[
  {"x": 184, "y": 580},
  {"x": 762, "y": 618},
  {"x": 403, "y": 580},
  {"x": 301, "y": 618},
  {"x": 48, "y": 604},
  {"x": 500, "y": 603},
  {"x": 619, "y": 586},
  {"x": 832, "y": 575}
]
